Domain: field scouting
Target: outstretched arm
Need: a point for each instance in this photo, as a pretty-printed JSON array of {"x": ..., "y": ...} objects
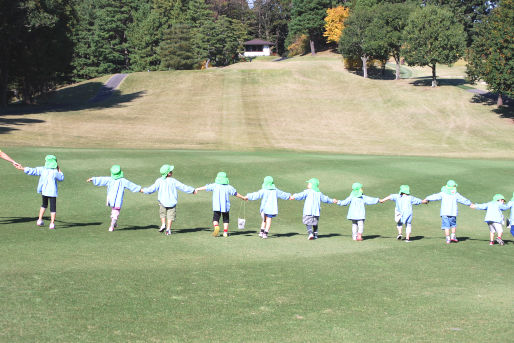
[
  {"x": 240, "y": 196},
  {"x": 385, "y": 199},
  {"x": 200, "y": 189},
  {"x": 9, "y": 159}
]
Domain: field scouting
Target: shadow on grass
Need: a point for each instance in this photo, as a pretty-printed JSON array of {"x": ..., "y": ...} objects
[
  {"x": 288, "y": 234},
  {"x": 140, "y": 227},
  {"x": 73, "y": 98},
  {"x": 10, "y": 122},
  {"x": 426, "y": 81},
  {"x": 416, "y": 238},
  {"x": 373, "y": 237},
  {"x": 60, "y": 224},
  {"x": 489, "y": 100},
  {"x": 189, "y": 230},
  {"x": 328, "y": 235},
  {"x": 241, "y": 233}
]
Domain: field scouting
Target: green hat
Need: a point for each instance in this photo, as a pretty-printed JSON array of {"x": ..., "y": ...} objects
[
  {"x": 356, "y": 190},
  {"x": 221, "y": 178},
  {"x": 116, "y": 172},
  {"x": 404, "y": 189},
  {"x": 50, "y": 162},
  {"x": 268, "y": 183},
  {"x": 450, "y": 188},
  {"x": 165, "y": 170},
  {"x": 314, "y": 184},
  {"x": 498, "y": 197}
]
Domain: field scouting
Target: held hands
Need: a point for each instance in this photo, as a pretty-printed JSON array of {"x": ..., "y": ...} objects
[
  {"x": 473, "y": 206},
  {"x": 381, "y": 201},
  {"x": 291, "y": 198},
  {"x": 195, "y": 191},
  {"x": 89, "y": 180},
  {"x": 334, "y": 201},
  {"x": 18, "y": 166},
  {"x": 425, "y": 201}
]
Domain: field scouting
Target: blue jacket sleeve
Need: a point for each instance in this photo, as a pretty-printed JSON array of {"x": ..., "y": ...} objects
[
  {"x": 283, "y": 195},
  {"x": 482, "y": 206},
  {"x": 463, "y": 200},
  {"x": 300, "y": 196},
  {"x": 232, "y": 191},
  {"x": 415, "y": 201},
  {"x": 369, "y": 200},
  {"x": 504, "y": 207},
  {"x": 32, "y": 171},
  {"x": 184, "y": 188},
  {"x": 101, "y": 180},
  {"x": 345, "y": 202},
  {"x": 326, "y": 199},
  {"x": 209, "y": 187},
  {"x": 254, "y": 195},
  {"x": 59, "y": 176},
  {"x": 434, "y": 197},
  {"x": 151, "y": 189},
  {"x": 132, "y": 186}
]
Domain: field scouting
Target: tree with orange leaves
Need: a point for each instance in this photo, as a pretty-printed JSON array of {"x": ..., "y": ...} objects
[{"x": 334, "y": 23}]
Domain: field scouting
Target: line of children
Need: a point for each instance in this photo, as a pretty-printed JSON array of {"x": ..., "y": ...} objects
[{"x": 167, "y": 187}]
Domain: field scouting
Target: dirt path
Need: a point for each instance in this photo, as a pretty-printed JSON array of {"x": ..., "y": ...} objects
[{"x": 108, "y": 88}]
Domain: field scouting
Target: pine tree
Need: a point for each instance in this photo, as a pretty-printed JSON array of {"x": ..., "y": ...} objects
[
  {"x": 307, "y": 17},
  {"x": 176, "y": 50}
]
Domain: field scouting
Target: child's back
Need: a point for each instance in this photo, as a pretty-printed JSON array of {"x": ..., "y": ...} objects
[
  {"x": 48, "y": 178},
  {"x": 221, "y": 196}
]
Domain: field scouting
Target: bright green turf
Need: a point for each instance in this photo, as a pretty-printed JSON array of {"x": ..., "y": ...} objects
[{"x": 81, "y": 283}]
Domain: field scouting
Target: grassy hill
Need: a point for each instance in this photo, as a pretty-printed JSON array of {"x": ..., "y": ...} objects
[{"x": 304, "y": 103}]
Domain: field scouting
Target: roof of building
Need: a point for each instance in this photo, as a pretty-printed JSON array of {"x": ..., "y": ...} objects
[{"x": 258, "y": 42}]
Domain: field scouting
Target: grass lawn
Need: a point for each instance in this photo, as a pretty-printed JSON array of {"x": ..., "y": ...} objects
[
  {"x": 81, "y": 283},
  {"x": 302, "y": 104}
]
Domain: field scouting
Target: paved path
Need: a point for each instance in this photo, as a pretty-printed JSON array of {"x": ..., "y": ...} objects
[{"x": 108, "y": 88}]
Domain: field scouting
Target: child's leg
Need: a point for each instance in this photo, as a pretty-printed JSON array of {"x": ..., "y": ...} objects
[
  {"x": 309, "y": 229},
  {"x": 162, "y": 216},
  {"x": 408, "y": 230},
  {"x": 226, "y": 221},
  {"x": 499, "y": 231},
  {"x": 44, "y": 205},
  {"x": 399, "y": 227},
  {"x": 171, "y": 213},
  {"x": 355, "y": 229},
  {"x": 267, "y": 224},
  {"x": 263, "y": 224},
  {"x": 315, "y": 229},
  {"x": 115, "y": 213},
  {"x": 453, "y": 222},
  {"x": 360, "y": 225},
  {"x": 53, "y": 209}
]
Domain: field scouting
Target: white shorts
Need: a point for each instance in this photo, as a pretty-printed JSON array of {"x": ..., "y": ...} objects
[{"x": 495, "y": 227}]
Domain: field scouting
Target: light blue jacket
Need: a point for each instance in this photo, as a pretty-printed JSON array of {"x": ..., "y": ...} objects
[
  {"x": 313, "y": 199},
  {"x": 115, "y": 189},
  {"x": 269, "y": 199},
  {"x": 511, "y": 206},
  {"x": 221, "y": 196},
  {"x": 167, "y": 188},
  {"x": 494, "y": 211},
  {"x": 404, "y": 206},
  {"x": 449, "y": 203},
  {"x": 47, "y": 185},
  {"x": 357, "y": 210}
]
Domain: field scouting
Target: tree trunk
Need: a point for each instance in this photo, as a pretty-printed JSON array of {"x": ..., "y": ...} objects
[
  {"x": 364, "y": 66},
  {"x": 313, "y": 50},
  {"x": 434, "y": 77},
  {"x": 499, "y": 102},
  {"x": 397, "y": 60}
]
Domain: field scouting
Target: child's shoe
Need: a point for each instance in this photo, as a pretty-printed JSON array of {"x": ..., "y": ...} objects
[
  {"x": 454, "y": 239},
  {"x": 315, "y": 235},
  {"x": 311, "y": 237},
  {"x": 161, "y": 230},
  {"x": 359, "y": 237},
  {"x": 448, "y": 241},
  {"x": 40, "y": 222},
  {"x": 225, "y": 234},
  {"x": 491, "y": 243},
  {"x": 264, "y": 235},
  {"x": 261, "y": 234},
  {"x": 111, "y": 228},
  {"x": 51, "y": 226},
  {"x": 399, "y": 237},
  {"x": 500, "y": 241},
  {"x": 354, "y": 237},
  {"x": 407, "y": 240},
  {"x": 216, "y": 231},
  {"x": 168, "y": 232}
]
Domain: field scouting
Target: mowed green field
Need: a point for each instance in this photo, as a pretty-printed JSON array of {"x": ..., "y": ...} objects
[{"x": 81, "y": 283}]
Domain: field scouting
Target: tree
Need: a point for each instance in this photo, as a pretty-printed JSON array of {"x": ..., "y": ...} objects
[
  {"x": 432, "y": 36},
  {"x": 356, "y": 40},
  {"x": 491, "y": 54},
  {"x": 388, "y": 25},
  {"x": 144, "y": 35},
  {"x": 334, "y": 23},
  {"x": 307, "y": 17},
  {"x": 176, "y": 50},
  {"x": 271, "y": 20}
]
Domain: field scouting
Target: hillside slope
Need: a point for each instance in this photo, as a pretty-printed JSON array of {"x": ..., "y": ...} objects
[{"x": 305, "y": 104}]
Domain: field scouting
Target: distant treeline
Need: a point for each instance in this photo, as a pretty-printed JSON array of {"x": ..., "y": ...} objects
[{"x": 46, "y": 43}]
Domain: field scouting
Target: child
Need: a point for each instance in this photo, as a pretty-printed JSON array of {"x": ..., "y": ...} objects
[
  {"x": 221, "y": 191},
  {"x": 494, "y": 217},
  {"x": 116, "y": 185},
  {"x": 167, "y": 196},
  {"x": 403, "y": 210},
  {"x": 269, "y": 208},
  {"x": 449, "y": 198},
  {"x": 357, "y": 211},
  {"x": 312, "y": 206},
  {"x": 47, "y": 186}
]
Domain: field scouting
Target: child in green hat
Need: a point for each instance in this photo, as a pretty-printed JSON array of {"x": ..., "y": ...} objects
[
  {"x": 494, "y": 217},
  {"x": 116, "y": 185},
  {"x": 269, "y": 207},
  {"x": 47, "y": 187},
  {"x": 449, "y": 198},
  {"x": 312, "y": 206},
  {"x": 511, "y": 217},
  {"x": 403, "y": 210},
  {"x": 167, "y": 197},
  {"x": 357, "y": 210},
  {"x": 221, "y": 192}
]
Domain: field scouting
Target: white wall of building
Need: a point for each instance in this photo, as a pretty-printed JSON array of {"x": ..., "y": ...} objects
[{"x": 266, "y": 51}]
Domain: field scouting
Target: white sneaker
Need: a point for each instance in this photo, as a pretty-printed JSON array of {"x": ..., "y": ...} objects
[
  {"x": 161, "y": 230},
  {"x": 399, "y": 237},
  {"x": 407, "y": 241},
  {"x": 168, "y": 232},
  {"x": 40, "y": 222},
  {"x": 264, "y": 235},
  {"x": 311, "y": 237},
  {"x": 261, "y": 234},
  {"x": 225, "y": 234},
  {"x": 51, "y": 226},
  {"x": 111, "y": 228}
]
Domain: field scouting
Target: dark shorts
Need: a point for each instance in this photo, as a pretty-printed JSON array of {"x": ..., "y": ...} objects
[
  {"x": 217, "y": 215},
  {"x": 53, "y": 203}
]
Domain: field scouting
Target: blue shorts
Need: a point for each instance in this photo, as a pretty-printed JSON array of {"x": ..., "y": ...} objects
[
  {"x": 267, "y": 215},
  {"x": 512, "y": 230},
  {"x": 447, "y": 222}
]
